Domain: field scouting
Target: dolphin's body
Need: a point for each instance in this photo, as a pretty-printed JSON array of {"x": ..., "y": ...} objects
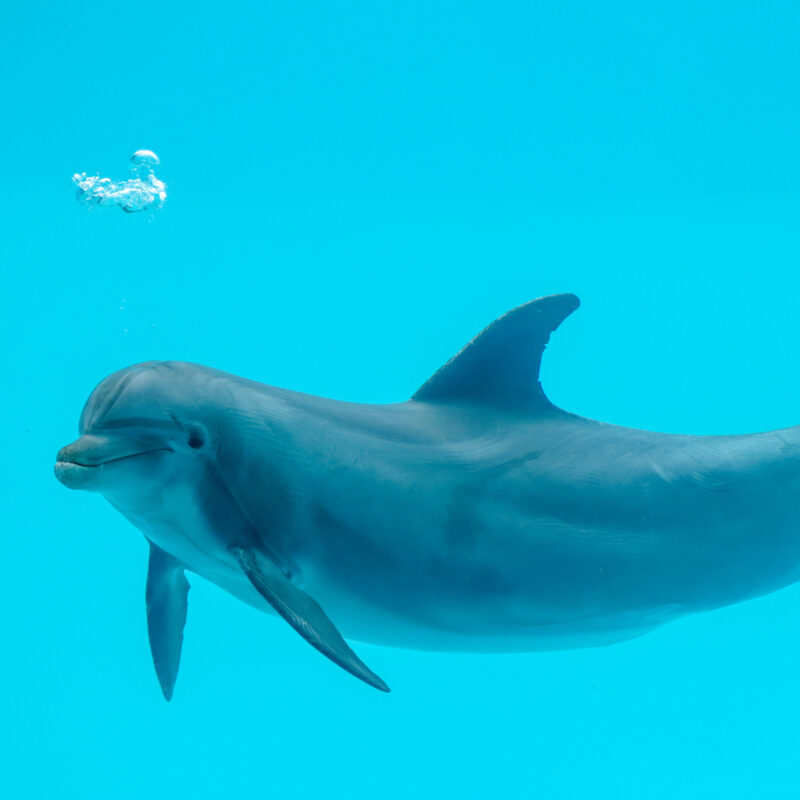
[{"x": 474, "y": 517}]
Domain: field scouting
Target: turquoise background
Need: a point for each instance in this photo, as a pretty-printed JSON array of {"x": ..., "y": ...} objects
[{"x": 355, "y": 189}]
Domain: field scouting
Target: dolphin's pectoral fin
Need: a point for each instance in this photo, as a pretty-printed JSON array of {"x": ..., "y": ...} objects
[
  {"x": 500, "y": 366},
  {"x": 166, "y": 597},
  {"x": 303, "y": 613}
]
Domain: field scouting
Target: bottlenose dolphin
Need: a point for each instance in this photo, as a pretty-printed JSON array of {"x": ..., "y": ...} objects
[{"x": 475, "y": 516}]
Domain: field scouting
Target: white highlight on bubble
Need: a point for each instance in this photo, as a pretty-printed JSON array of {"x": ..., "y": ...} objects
[
  {"x": 146, "y": 158},
  {"x": 143, "y": 191}
]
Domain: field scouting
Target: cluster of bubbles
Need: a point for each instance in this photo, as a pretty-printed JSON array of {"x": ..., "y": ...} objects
[{"x": 141, "y": 192}]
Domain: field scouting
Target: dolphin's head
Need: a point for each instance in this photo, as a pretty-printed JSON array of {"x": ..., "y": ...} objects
[{"x": 141, "y": 428}]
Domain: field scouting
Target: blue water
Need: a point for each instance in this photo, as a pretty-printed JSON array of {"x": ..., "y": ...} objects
[{"x": 354, "y": 190}]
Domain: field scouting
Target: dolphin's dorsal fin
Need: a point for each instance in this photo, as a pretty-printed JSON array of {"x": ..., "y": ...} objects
[{"x": 500, "y": 366}]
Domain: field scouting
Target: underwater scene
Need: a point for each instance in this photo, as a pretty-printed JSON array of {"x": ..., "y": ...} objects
[{"x": 400, "y": 400}]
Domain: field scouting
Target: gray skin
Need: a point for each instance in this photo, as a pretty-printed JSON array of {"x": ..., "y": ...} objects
[{"x": 474, "y": 517}]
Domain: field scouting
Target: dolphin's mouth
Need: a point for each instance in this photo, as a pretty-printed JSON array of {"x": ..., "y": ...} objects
[
  {"x": 75, "y": 475},
  {"x": 73, "y": 462},
  {"x": 81, "y": 462}
]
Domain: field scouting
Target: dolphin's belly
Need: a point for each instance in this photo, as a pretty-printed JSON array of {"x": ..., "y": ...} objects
[
  {"x": 432, "y": 614},
  {"x": 468, "y": 566},
  {"x": 482, "y": 625}
]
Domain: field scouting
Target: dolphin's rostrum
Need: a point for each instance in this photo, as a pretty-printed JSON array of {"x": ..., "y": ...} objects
[{"x": 475, "y": 516}]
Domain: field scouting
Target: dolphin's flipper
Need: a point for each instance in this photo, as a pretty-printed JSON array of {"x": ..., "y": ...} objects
[
  {"x": 303, "y": 613},
  {"x": 500, "y": 366},
  {"x": 166, "y": 597}
]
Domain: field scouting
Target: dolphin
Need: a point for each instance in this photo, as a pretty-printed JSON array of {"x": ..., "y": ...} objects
[{"x": 476, "y": 516}]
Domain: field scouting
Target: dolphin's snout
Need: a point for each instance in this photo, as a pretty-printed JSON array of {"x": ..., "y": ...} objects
[
  {"x": 79, "y": 463},
  {"x": 88, "y": 451},
  {"x": 70, "y": 471},
  {"x": 66, "y": 453},
  {"x": 82, "y": 461}
]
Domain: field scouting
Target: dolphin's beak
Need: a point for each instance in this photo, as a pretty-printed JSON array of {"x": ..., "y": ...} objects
[
  {"x": 81, "y": 463},
  {"x": 78, "y": 464}
]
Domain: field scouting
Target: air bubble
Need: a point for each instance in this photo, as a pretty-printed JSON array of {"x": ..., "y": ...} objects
[
  {"x": 145, "y": 157},
  {"x": 143, "y": 163},
  {"x": 142, "y": 192}
]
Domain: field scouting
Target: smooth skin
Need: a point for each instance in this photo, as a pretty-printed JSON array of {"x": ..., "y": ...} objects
[{"x": 474, "y": 517}]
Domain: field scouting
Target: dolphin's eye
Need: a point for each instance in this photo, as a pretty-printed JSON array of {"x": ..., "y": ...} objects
[{"x": 196, "y": 438}]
